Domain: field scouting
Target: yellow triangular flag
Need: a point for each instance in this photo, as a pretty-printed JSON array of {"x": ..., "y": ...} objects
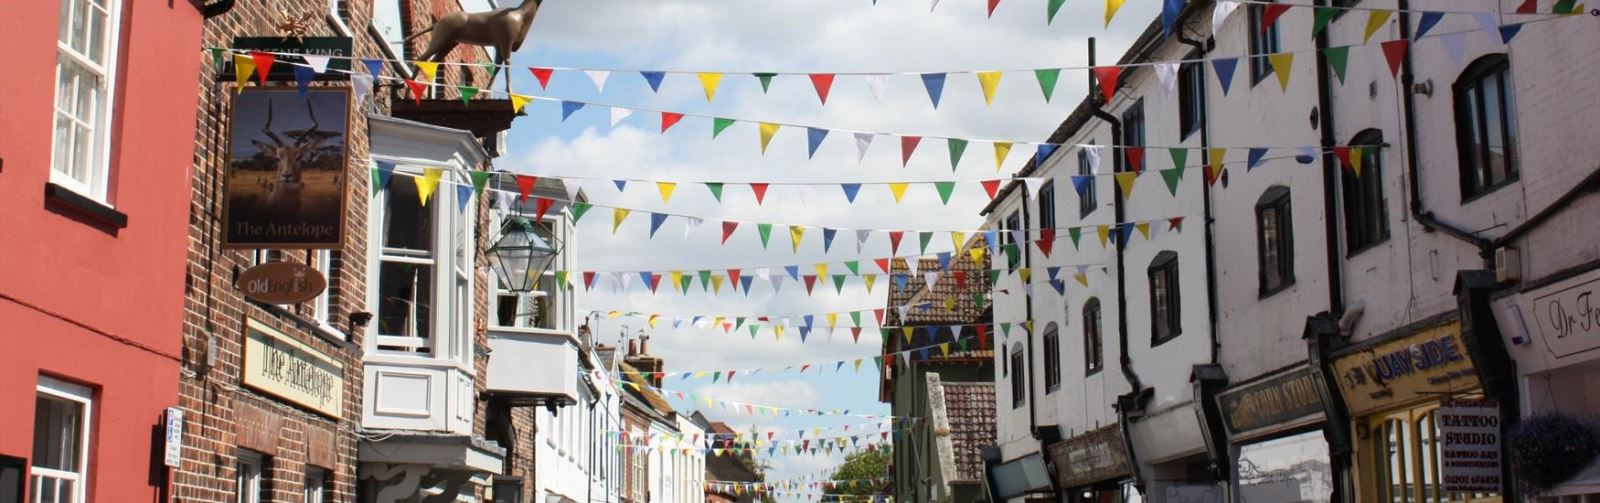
[
  {"x": 858, "y": 365},
  {"x": 1111, "y": 9},
  {"x": 1028, "y": 324},
  {"x": 767, "y": 130},
  {"x": 777, "y": 332},
  {"x": 1216, "y": 156},
  {"x": 429, "y": 68},
  {"x": 977, "y": 254},
  {"x": 989, "y": 81},
  {"x": 1375, "y": 20},
  {"x": 869, "y": 279},
  {"x": 1281, "y": 64},
  {"x": 710, "y": 81},
  {"x": 944, "y": 348},
  {"x": 795, "y": 234},
  {"x": 614, "y": 314},
  {"x": 1102, "y": 232},
  {"x": 1144, "y": 229},
  {"x": 957, "y": 238},
  {"x": 666, "y": 190},
  {"x": 518, "y": 101},
  {"x": 1001, "y": 150},
  {"x": 949, "y": 303},
  {"x": 677, "y": 279},
  {"x": 907, "y": 331},
  {"x": 716, "y": 287},
  {"x": 617, "y": 216},
  {"x": 833, "y": 319},
  {"x": 898, "y": 189},
  {"x": 1083, "y": 279},
  {"x": 243, "y": 66},
  {"x": 428, "y": 182},
  {"x": 1356, "y": 154},
  {"x": 822, "y": 270},
  {"x": 1125, "y": 181},
  {"x": 1026, "y": 272}
]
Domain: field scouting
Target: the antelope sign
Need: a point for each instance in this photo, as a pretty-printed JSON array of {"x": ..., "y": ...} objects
[{"x": 286, "y": 174}]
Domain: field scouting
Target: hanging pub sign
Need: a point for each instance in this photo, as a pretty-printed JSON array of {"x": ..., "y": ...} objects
[
  {"x": 336, "y": 48},
  {"x": 1469, "y": 452},
  {"x": 1425, "y": 364},
  {"x": 281, "y": 283},
  {"x": 1092, "y": 457},
  {"x": 286, "y": 178}
]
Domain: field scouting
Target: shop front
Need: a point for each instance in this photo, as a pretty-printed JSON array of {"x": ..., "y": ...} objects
[
  {"x": 1172, "y": 449},
  {"x": 1093, "y": 468},
  {"x": 1276, "y": 445},
  {"x": 1552, "y": 331},
  {"x": 1408, "y": 396}
]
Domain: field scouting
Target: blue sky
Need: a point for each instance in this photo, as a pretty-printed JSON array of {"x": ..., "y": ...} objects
[{"x": 744, "y": 36}]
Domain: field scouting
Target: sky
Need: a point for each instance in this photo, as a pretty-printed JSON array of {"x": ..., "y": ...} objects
[{"x": 740, "y": 37}]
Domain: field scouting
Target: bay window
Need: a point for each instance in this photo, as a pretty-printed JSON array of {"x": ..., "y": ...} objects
[
  {"x": 549, "y": 305},
  {"x": 424, "y": 269}
]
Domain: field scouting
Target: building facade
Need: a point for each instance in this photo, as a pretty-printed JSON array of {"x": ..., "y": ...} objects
[{"x": 92, "y": 274}]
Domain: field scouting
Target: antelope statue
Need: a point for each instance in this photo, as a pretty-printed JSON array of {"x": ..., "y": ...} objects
[
  {"x": 503, "y": 29},
  {"x": 284, "y": 193}
]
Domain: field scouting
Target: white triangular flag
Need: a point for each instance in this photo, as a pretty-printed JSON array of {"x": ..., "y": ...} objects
[
  {"x": 626, "y": 280},
  {"x": 362, "y": 84},
  {"x": 903, "y": 310},
  {"x": 690, "y": 224},
  {"x": 1220, "y": 14},
  {"x": 1093, "y": 153},
  {"x": 1168, "y": 73},
  {"x": 599, "y": 78},
  {"x": 930, "y": 278},
  {"x": 933, "y": 5},
  {"x": 504, "y": 201},
  {"x": 1454, "y": 43},
  {"x": 1017, "y": 237},
  {"x": 619, "y": 113},
  {"x": 777, "y": 283},
  {"x": 861, "y": 239},
  {"x": 574, "y": 185},
  {"x": 1491, "y": 27},
  {"x": 764, "y": 273},
  {"x": 317, "y": 63},
  {"x": 912, "y": 263},
  {"x": 1033, "y": 184},
  {"x": 1028, "y": 289},
  {"x": 863, "y": 140},
  {"x": 877, "y": 83}
]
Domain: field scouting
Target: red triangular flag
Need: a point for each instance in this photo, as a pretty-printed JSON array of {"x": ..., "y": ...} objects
[
  {"x": 1047, "y": 240},
  {"x": 668, "y": 119},
  {"x": 878, "y": 313},
  {"x": 733, "y": 277},
  {"x": 961, "y": 279},
  {"x": 1270, "y": 14},
  {"x": 761, "y": 191},
  {"x": 1175, "y": 224},
  {"x": 811, "y": 281},
  {"x": 1135, "y": 156},
  {"x": 1528, "y": 7},
  {"x": 1107, "y": 77},
  {"x": 727, "y": 230},
  {"x": 907, "y": 145},
  {"x": 655, "y": 281},
  {"x": 894, "y": 241},
  {"x": 992, "y": 4},
  {"x": 991, "y": 187},
  {"x": 823, "y": 82},
  {"x": 525, "y": 185},
  {"x": 883, "y": 264},
  {"x": 1394, "y": 51},
  {"x": 983, "y": 335},
  {"x": 1343, "y": 154},
  {"x": 543, "y": 74},
  {"x": 588, "y": 279},
  {"x": 263, "y": 65},
  {"x": 540, "y": 206},
  {"x": 855, "y": 333},
  {"x": 417, "y": 89}
]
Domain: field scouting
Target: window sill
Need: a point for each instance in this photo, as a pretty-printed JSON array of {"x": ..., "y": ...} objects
[
  {"x": 1154, "y": 343},
  {"x": 1488, "y": 190},
  {"x": 82, "y": 205},
  {"x": 1268, "y": 292},
  {"x": 1374, "y": 244},
  {"x": 1093, "y": 372}
]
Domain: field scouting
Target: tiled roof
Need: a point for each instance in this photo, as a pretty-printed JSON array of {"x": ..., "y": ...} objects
[
  {"x": 643, "y": 391},
  {"x": 970, "y": 409},
  {"x": 951, "y": 300}
]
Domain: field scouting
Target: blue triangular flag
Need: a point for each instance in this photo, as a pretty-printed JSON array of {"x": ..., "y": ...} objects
[
  {"x": 933, "y": 333},
  {"x": 621, "y": 184},
  {"x": 463, "y": 196},
  {"x": 656, "y": 220},
  {"x": 793, "y": 270},
  {"x": 807, "y": 319},
  {"x": 993, "y": 239},
  {"x": 1039, "y": 156},
  {"x": 804, "y": 331},
  {"x": 1127, "y": 232},
  {"x": 1059, "y": 285},
  {"x": 1082, "y": 184},
  {"x": 1224, "y": 68},
  {"x": 850, "y": 190},
  {"x": 302, "y": 78},
  {"x": 1428, "y": 21},
  {"x": 569, "y": 107},
  {"x": 1169, "y": 15},
  {"x": 645, "y": 277},
  {"x": 944, "y": 260},
  {"x": 935, "y": 84},
  {"x": 1255, "y": 158},
  {"x": 1509, "y": 31},
  {"x": 385, "y": 171},
  {"x": 744, "y": 284},
  {"x": 900, "y": 282},
  {"x": 654, "y": 79},
  {"x": 374, "y": 66},
  {"x": 827, "y": 238},
  {"x": 814, "y": 138}
]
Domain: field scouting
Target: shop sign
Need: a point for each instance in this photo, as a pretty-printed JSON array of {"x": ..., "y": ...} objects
[
  {"x": 1428, "y": 363},
  {"x": 173, "y": 455},
  {"x": 1092, "y": 457},
  {"x": 281, "y": 283},
  {"x": 255, "y": 427},
  {"x": 1275, "y": 401},
  {"x": 285, "y": 181},
  {"x": 283, "y": 367},
  {"x": 336, "y": 48},
  {"x": 1569, "y": 319},
  {"x": 1469, "y": 452}
]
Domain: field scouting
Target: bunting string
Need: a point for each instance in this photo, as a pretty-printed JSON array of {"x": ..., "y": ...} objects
[{"x": 747, "y": 408}]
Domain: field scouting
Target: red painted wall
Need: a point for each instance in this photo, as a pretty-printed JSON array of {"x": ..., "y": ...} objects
[{"x": 84, "y": 301}]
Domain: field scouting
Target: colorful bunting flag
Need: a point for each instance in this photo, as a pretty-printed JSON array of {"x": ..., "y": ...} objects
[
  {"x": 710, "y": 81},
  {"x": 989, "y": 81}
]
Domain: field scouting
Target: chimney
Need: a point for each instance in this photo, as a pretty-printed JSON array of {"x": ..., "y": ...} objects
[
  {"x": 644, "y": 346},
  {"x": 633, "y": 348},
  {"x": 647, "y": 365}
]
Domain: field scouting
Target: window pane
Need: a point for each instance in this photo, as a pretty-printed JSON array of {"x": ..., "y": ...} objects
[
  {"x": 78, "y": 37},
  {"x": 63, "y": 149},
  {"x": 407, "y": 224},
  {"x": 57, "y": 427},
  {"x": 1494, "y": 132},
  {"x": 97, "y": 34},
  {"x": 64, "y": 23},
  {"x": 405, "y": 303},
  {"x": 1507, "y": 98},
  {"x": 1473, "y": 150}
]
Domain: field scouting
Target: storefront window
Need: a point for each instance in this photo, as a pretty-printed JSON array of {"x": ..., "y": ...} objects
[
  {"x": 1406, "y": 447},
  {"x": 1291, "y": 468}
]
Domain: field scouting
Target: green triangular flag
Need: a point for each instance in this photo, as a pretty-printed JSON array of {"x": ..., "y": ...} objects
[
  {"x": 1320, "y": 18},
  {"x": 766, "y": 80},
  {"x": 1011, "y": 254},
  {"x": 855, "y": 317},
  {"x": 561, "y": 278},
  {"x": 716, "y": 190},
  {"x": 479, "y": 179},
  {"x": 683, "y": 284},
  {"x": 1005, "y": 328},
  {"x": 377, "y": 181},
  {"x": 886, "y": 333},
  {"x": 854, "y": 266},
  {"x": 738, "y": 322},
  {"x": 838, "y": 283},
  {"x": 978, "y": 298},
  {"x": 491, "y": 68},
  {"x": 1047, "y": 81},
  {"x": 994, "y": 276},
  {"x": 766, "y": 234},
  {"x": 716, "y": 376},
  {"x": 1052, "y": 6},
  {"x": 1338, "y": 58},
  {"x": 578, "y": 209},
  {"x": 1172, "y": 177},
  {"x": 705, "y": 280},
  {"x": 957, "y": 147},
  {"x": 944, "y": 188},
  {"x": 216, "y": 57},
  {"x": 1565, "y": 7},
  {"x": 925, "y": 237},
  {"x": 1075, "y": 233},
  {"x": 718, "y": 124},
  {"x": 467, "y": 93},
  {"x": 753, "y": 329}
]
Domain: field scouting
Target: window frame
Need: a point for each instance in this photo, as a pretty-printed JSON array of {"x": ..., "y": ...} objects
[
  {"x": 51, "y": 388},
  {"x": 1262, "y": 43},
  {"x": 451, "y": 330},
  {"x": 322, "y": 305},
  {"x": 1019, "y": 388},
  {"x": 1474, "y": 164},
  {"x": 314, "y": 490},
  {"x": 1276, "y": 199},
  {"x": 98, "y": 170},
  {"x": 1170, "y": 298},
  {"x": 1365, "y": 209},
  {"x": 1133, "y": 131},
  {"x": 1093, "y": 338},
  {"x": 1047, "y": 205},
  {"x": 1191, "y": 97},
  {"x": 250, "y": 468},
  {"x": 1052, "y": 358},
  {"x": 1089, "y": 198}
]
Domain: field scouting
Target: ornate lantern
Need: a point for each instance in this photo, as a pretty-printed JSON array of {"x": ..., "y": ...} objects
[{"x": 521, "y": 256}]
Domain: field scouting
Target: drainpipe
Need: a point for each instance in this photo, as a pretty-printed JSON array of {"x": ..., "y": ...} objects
[
  {"x": 1123, "y": 360},
  {"x": 1205, "y": 196},
  {"x": 1330, "y": 177},
  {"x": 1033, "y": 418},
  {"x": 1418, "y": 210}
]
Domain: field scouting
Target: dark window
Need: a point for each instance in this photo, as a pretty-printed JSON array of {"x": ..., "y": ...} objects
[
  {"x": 1274, "y": 240},
  {"x": 1013, "y": 222},
  {"x": 1019, "y": 391},
  {"x": 1366, "y": 221},
  {"x": 1093, "y": 355},
  {"x": 1086, "y": 195},
  {"x": 1047, "y": 206},
  {"x": 1191, "y": 97},
  {"x": 1486, "y": 125},
  {"x": 1164, "y": 302},
  {"x": 1262, "y": 43},
  {"x": 1133, "y": 127},
  {"x": 1052, "y": 358}
]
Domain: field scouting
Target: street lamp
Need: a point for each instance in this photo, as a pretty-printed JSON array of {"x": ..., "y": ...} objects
[{"x": 521, "y": 256}]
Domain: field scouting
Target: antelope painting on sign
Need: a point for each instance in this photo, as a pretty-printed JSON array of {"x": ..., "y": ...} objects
[{"x": 287, "y": 169}]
